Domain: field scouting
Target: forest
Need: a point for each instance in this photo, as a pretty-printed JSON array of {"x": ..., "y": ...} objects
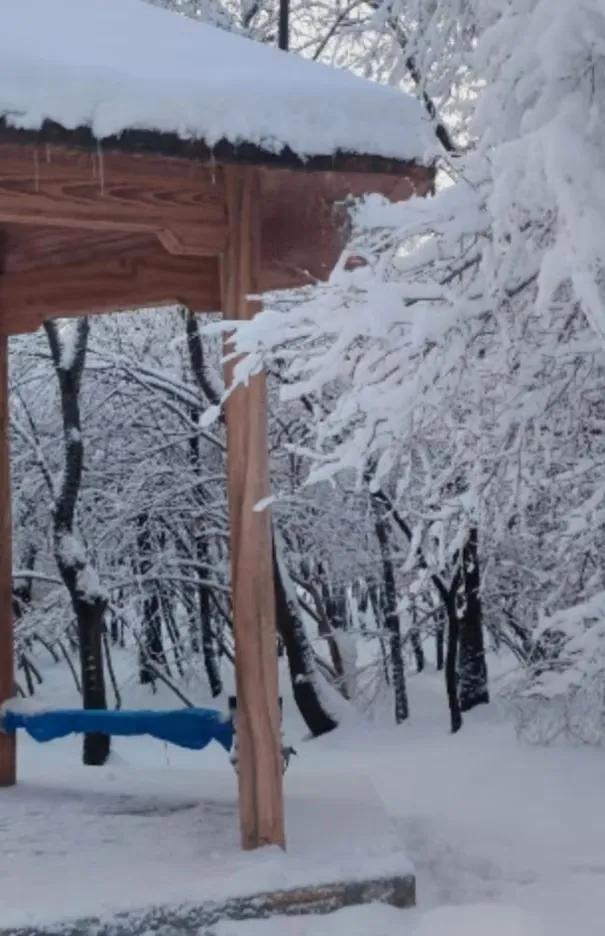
[
  {"x": 437, "y": 452},
  {"x": 437, "y": 473}
]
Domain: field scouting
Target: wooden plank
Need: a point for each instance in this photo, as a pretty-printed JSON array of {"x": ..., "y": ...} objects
[
  {"x": 114, "y": 191},
  {"x": 306, "y": 224},
  {"x": 30, "y": 247},
  {"x": 258, "y": 721},
  {"x": 134, "y": 277},
  {"x": 8, "y": 753}
]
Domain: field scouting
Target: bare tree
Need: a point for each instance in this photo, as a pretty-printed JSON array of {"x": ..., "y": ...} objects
[{"x": 80, "y": 579}]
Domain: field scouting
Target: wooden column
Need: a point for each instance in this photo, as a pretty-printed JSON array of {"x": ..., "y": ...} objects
[
  {"x": 258, "y": 718},
  {"x": 8, "y": 759}
]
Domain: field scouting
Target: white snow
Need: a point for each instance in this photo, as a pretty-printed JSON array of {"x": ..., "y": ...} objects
[
  {"x": 507, "y": 840},
  {"x": 166, "y": 836},
  {"x": 72, "y": 550},
  {"x": 377, "y": 920},
  {"x": 114, "y": 65},
  {"x": 22, "y": 706},
  {"x": 159, "y": 824}
]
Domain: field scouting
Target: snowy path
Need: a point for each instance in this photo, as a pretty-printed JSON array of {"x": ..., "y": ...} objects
[
  {"x": 495, "y": 821},
  {"x": 507, "y": 840}
]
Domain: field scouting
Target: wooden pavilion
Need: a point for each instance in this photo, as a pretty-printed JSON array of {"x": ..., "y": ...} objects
[{"x": 146, "y": 207}]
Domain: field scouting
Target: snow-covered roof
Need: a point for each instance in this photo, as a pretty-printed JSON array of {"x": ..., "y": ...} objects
[{"x": 117, "y": 65}]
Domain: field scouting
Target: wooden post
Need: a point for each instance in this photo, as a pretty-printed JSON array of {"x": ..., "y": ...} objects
[
  {"x": 258, "y": 719},
  {"x": 8, "y": 753}
]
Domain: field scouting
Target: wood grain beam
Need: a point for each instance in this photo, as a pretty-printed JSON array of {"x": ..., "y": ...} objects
[
  {"x": 182, "y": 203},
  {"x": 306, "y": 224},
  {"x": 258, "y": 717},
  {"x": 29, "y": 247},
  {"x": 137, "y": 276}
]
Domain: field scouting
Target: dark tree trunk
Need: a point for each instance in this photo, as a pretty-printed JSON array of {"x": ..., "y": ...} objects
[
  {"x": 209, "y": 648},
  {"x": 299, "y": 652},
  {"x": 89, "y": 615},
  {"x": 337, "y": 609},
  {"x": 440, "y": 619},
  {"x": 472, "y": 666},
  {"x": 416, "y": 642},
  {"x": 451, "y": 661},
  {"x": 197, "y": 360},
  {"x": 194, "y": 634},
  {"x": 453, "y": 601},
  {"x": 391, "y": 616},
  {"x": 203, "y": 379},
  {"x": 87, "y": 599},
  {"x": 362, "y": 596},
  {"x": 114, "y": 629},
  {"x": 283, "y": 38}
]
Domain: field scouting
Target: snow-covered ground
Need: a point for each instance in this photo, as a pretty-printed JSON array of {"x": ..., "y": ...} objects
[{"x": 508, "y": 840}]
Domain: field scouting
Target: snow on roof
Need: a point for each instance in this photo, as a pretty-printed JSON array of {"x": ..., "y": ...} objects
[{"x": 116, "y": 65}]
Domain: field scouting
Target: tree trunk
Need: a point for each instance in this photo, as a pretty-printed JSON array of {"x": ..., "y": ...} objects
[
  {"x": 87, "y": 599},
  {"x": 337, "y": 608},
  {"x": 291, "y": 629},
  {"x": 390, "y": 613},
  {"x": 441, "y": 618},
  {"x": 90, "y": 629},
  {"x": 416, "y": 642},
  {"x": 114, "y": 629},
  {"x": 472, "y": 666},
  {"x": 451, "y": 661},
  {"x": 209, "y": 648},
  {"x": 202, "y": 377}
]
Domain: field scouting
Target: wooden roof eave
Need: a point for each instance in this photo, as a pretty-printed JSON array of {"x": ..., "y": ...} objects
[
  {"x": 142, "y": 219},
  {"x": 156, "y": 143}
]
